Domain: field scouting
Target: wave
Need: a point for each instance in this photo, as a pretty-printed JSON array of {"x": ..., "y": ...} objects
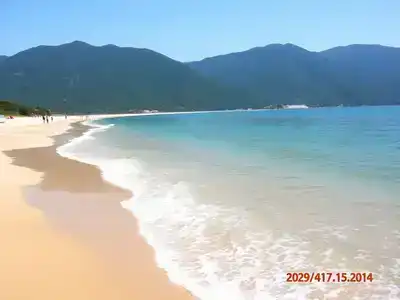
[
  {"x": 213, "y": 251},
  {"x": 67, "y": 150},
  {"x": 168, "y": 219}
]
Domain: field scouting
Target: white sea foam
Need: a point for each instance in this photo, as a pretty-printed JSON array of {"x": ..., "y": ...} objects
[
  {"x": 67, "y": 150},
  {"x": 213, "y": 251}
]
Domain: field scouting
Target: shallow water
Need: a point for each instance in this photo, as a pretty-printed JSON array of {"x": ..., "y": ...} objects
[{"x": 232, "y": 201}]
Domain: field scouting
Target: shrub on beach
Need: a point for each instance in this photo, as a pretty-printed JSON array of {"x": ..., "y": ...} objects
[{"x": 8, "y": 108}]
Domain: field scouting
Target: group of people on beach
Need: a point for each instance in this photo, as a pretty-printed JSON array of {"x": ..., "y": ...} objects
[{"x": 46, "y": 118}]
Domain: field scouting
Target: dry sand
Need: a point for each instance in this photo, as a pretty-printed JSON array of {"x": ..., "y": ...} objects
[{"x": 63, "y": 232}]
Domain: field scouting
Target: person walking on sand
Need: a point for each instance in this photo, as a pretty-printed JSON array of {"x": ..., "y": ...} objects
[
  {"x": 44, "y": 119},
  {"x": 52, "y": 118},
  {"x": 47, "y": 119}
]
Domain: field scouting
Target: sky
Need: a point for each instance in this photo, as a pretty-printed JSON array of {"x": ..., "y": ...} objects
[{"x": 188, "y": 30}]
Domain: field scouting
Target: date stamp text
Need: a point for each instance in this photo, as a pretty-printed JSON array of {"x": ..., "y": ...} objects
[{"x": 339, "y": 277}]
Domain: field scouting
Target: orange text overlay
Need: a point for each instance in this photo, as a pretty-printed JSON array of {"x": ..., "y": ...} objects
[{"x": 340, "y": 277}]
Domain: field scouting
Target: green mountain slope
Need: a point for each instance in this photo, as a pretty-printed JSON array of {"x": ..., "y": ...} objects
[
  {"x": 367, "y": 74},
  {"x": 11, "y": 108},
  {"x": 78, "y": 77},
  {"x": 352, "y": 75}
]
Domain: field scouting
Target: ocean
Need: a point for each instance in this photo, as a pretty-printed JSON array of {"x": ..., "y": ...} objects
[{"x": 232, "y": 201}]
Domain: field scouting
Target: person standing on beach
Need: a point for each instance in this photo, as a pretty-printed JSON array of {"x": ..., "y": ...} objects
[
  {"x": 47, "y": 119},
  {"x": 44, "y": 119},
  {"x": 52, "y": 118}
]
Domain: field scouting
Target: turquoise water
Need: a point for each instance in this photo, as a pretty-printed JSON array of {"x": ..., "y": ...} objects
[
  {"x": 231, "y": 201},
  {"x": 361, "y": 143}
]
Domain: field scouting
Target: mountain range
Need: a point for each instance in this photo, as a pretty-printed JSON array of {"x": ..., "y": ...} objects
[
  {"x": 78, "y": 77},
  {"x": 352, "y": 75}
]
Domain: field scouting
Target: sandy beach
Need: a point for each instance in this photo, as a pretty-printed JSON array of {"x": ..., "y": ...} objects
[{"x": 63, "y": 232}]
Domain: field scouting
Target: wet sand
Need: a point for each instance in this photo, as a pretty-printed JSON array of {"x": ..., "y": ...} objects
[{"x": 65, "y": 235}]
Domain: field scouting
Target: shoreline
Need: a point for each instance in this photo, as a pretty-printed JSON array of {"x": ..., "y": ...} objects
[{"x": 78, "y": 235}]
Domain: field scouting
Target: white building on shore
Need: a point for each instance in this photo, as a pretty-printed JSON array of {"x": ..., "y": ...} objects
[{"x": 296, "y": 106}]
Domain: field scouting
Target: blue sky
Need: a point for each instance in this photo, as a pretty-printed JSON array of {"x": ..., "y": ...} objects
[{"x": 191, "y": 30}]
